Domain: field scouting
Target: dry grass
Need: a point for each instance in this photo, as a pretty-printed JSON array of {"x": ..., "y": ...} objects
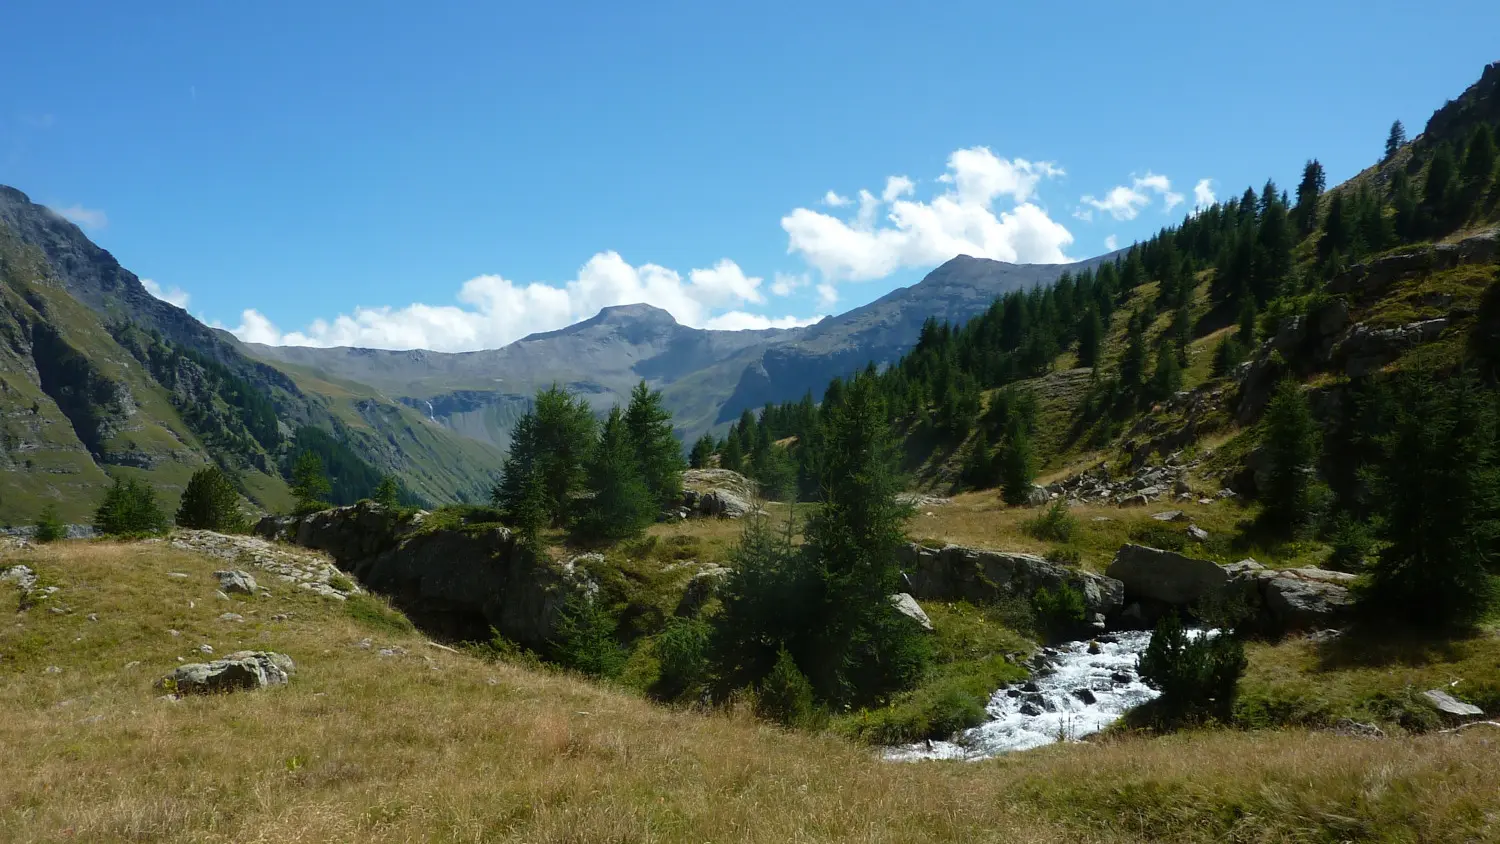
[{"x": 439, "y": 746}]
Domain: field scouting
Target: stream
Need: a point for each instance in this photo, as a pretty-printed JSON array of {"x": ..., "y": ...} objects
[{"x": 1073, "y": 694}]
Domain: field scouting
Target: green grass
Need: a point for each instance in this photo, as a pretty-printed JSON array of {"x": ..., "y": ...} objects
[{"x": 376, "y": 615}]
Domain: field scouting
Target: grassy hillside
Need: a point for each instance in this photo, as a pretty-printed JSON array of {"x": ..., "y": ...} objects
[
  {"x": 77, "y": 407},
  {"x": 427, "y": 744}
]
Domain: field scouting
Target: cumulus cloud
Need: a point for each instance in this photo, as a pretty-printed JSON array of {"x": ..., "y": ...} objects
[
  {"x": 962, "y": 220},
  {"x": 175, "y": 295},
  {"x": 1203, "y": 194},
  {"x": 1111, "y": 243},
  {"x": 492, "y": 310},
  {"x": 828, "y": 295},
  {"x": 833, "y": 200},
  {"x": 741, "y": 321},
  {"x": 1125, "y": 202},
  {"x": 88, "y": 218}
]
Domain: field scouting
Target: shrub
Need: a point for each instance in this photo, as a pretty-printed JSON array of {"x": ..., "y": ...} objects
[
  {"x": 210, "y": 502},
  {"x": 1154, "y": 534},
  {"x": 1061, "y": 611},
  {"x": 1352, "y": 544},
  {"x": 49, "y": 525},
  {"x": 682, "y": 652},
  {"x": 130, "y": 509},
  {"x": 785, "y": 696},
  {"x": 1055, "y": 524},
  {"x": 1196, "y": 675},
  {"x": 586, "y": 639}
]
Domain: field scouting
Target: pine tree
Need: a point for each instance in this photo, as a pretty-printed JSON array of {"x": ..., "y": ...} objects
[
  {"x": 49, "y": 525},
  {"x": 1292, "y": 441},
  {"x": 310, "y": 484},
  {"x": 863, "y": 648},
  {"x": 1440, "y": 193},
  {"x": 1133, "y": 364},
  {"x": 703, "y": 452},
  {"x": 1246, "y": 332},
  {"x": 732, "y": 458},
  {"x": 1407, "y": 222},
  {"x": 1395, "y": 140},
  {"x": 210, "y": 502},
  {"x": 529, "y": 513},
  {"x": 388, "y": 493},
  {"x": 551, "y": 440},
  {"x": 1167, "y": 377},
  {"x": 1338, "y": 230},
  {"x": 1440, "y": 487},
  {"x": 621, "y": 504},
  {"x": 656, "y": 447},
  {"x": 978, "y": 471},
  {"x": 129, "y": 509},
  {"x": 1090, "y": 335},
  {"x": 1308, "y": 191},
  {"x": 1017, "y": 467},
  {"x": 1479, "y": 161}
]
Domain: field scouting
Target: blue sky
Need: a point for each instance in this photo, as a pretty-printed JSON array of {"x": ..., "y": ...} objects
[{"x": 456, "y": 175}]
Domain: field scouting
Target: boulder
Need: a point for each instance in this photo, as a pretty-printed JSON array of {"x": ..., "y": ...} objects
[
  {"x": 243, "y": 670},
  {"x": 955, "y": 573},
  {"x": 1292, "y": 600},
  {"x": 703, "y": 481},
  {"x": 1450, "y": 705},
  {"x": 1197, "y": 533},
  {"x": 725, "y": 504},
  {"x": 236, "y": 580},
  {"x": 908, "y": 606},
  {"x": 700, "y": 588},
  {"x": 1169, "y": 516},
  {"x": 1166, "y": 576}
]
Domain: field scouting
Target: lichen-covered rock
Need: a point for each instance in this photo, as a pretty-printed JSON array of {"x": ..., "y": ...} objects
[
  {"x": 700, "y": 588},
  {"x": 236, "y": 581},
  {"x": 1450, "y": 705},
  {"x": 725, "y": 504},
  {"x": 243, "y": 670}
]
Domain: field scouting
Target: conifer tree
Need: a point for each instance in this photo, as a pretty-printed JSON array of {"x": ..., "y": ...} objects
[
  {"x": 1017, "y": 466},
  {"x": 1479, "y": 161},
  {"x": 310, "y": 484},
  {"x": 1308, "y": 191},
  {"x": 657, "y": 450},
  {"x": 703, "y": 452},
  {"x": 388, "y": 492},
  {"x": 1090, "y": 335},
  {"x": 1440, "y": 193},
  {"x": 732, "y": 458},
  {"x": 978, "y": 471},
  {"x": 1292, "y": 441},
  {"x": 1395, "y": 140},
  {"x": 1338, "y": 229},
  {"x": 1166, "y": 379},
  {"x": 1133, "y": 364},
  {"x": 551, "y": 440},
  {"x": 621, "y": 504},
  {"x": 130, "y": 508},
  {"x": 210, "y": 502},
  {"x": 1440, "y": 487}
]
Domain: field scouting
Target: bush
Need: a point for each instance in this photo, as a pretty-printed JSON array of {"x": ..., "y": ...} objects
[
  {"x": 210, "y": 502},
  {"x": 785, "y": 696},
  {"x": 49, "y": 526},
  {"x": 682, "y": 652},
  {"x": 1196, "y": 675},
  {"x": 130, "y": 509},
  {"x": 1059, "y": 612},
  {"x": 586, "y": 639},
  {"x": 1352, "y": 544},
  {"x": 1055, "y": 524},
  {"x": 1154, "y": 534}
]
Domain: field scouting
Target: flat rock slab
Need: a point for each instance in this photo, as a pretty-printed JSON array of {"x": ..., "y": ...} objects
[
  {"x": 908, "y": 606},
  {"x": 1451, "y": 705}
]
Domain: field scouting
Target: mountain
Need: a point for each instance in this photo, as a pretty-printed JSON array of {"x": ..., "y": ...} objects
[
  {"x": 707, "y": 377},
  {"x": 103, "y": 379}
]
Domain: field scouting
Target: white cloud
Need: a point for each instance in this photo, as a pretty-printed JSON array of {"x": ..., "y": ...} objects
[
  {"x": 1111, "y": 243},
  {"x": 1125, "y": 203},
  {"x": 1203, "y": 194},
  {"x": 1084, "y": 214},
  {"x": 833, "y": 200},
  {"x": 175, "y": 295},
  {"x": 828, "y": 295},
  {"x": 493, "y": 311},
  {"x": 88, "y": 218},
  {"x": 897, "y": 187},
  {"x": 784, "y": 283},
  {"x": 959, "y": 221},
  {"x": 741, "y": 321},
  {"x": 1121, "y": 202}
]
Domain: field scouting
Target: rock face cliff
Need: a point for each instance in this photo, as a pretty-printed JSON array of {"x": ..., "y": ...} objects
[{"x": 460, "y": 580}]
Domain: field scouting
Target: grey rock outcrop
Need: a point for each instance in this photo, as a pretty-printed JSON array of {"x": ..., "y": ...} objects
[
  {"x": 908, "y": 606},
  {"x": 1166, "y": 576},
  {"x": 971, "y": 574},
  {"x": 700, "y": 588},
  {"x": 240, "y": 671},
  {"x": 466, "y": 579},
  {"x": 724, "y": 504}
]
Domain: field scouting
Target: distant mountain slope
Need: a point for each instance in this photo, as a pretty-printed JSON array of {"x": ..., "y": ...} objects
[
  {"x": 209, "y": 399},
  {"x": 707, "y": 377}
]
